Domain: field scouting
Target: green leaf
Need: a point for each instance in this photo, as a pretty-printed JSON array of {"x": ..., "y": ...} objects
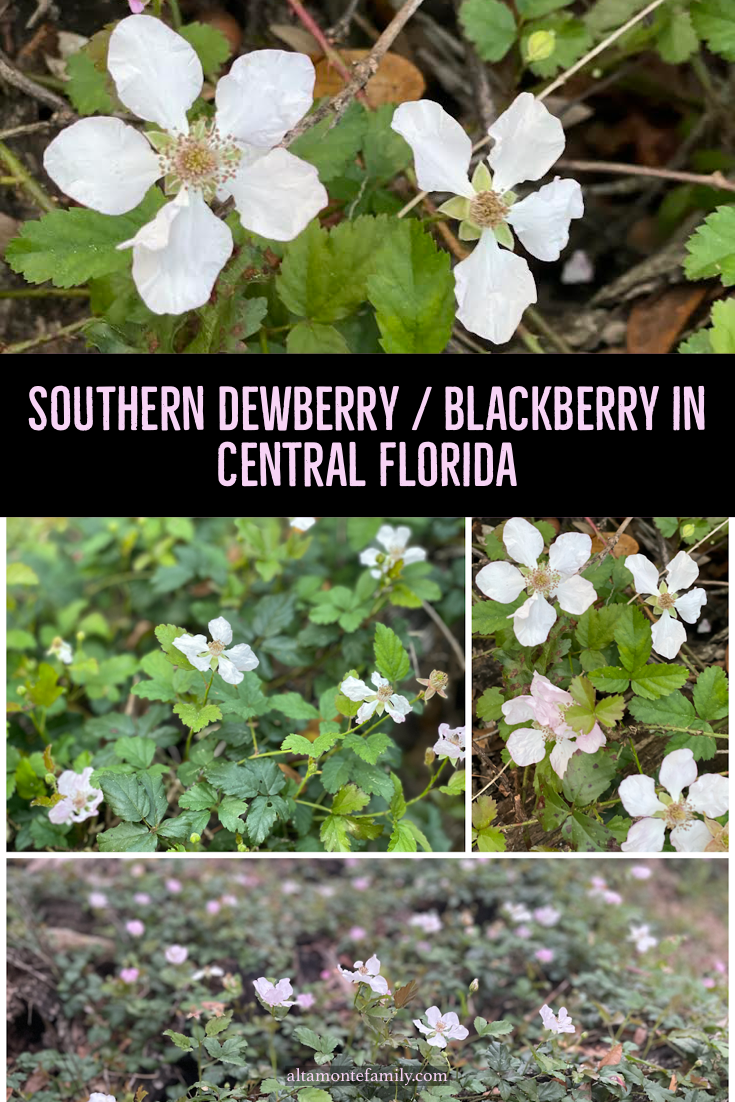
[
  {"x": 419, "y": 835},
  {"x": 673, "y": 710},
  {"x": 137, "y": 751},
  {"x": 608, "y": 15},
  {"x": 587, "y": 834},
  {"x": 179, "y": 1039},
  {"x": 128, "y": 838},
  {"x": 312, "y": 337},
  {"x": 29, "y": 783},
  {"x": 384, "y": 151},
  {"x": 490, "y": 26},
  {"x": 676, "y": 39},
  {"x": 199, "y": 797},
  {"x": 698, "y": 344},
  {"x": 334, "y": 834},
  {"x": 555, "y": 810},
  {"x": 293, "y": 705},
  {"x": 197, "y": 716},
  {"x": 87, "y": 86},
  {"x": 313, "y": 1094},
  {"x": 490, "y": 616},
  {"x": 71, "y": 246},
  {"x": 571, "y": 41},
  {"x": 370, "y": 748},
  {"x": 711, "y": 247},
  {"x": 610, "y": 710},
  {"x": 714, "y": 21},
  {"x": 490, "y": 840},
  {"x": 484, "y": 810},
  {"x": 610, "y": 679},
  {"x": 18, "y": 573},
  {"x": 324, "y": 275},
  {"x": 211, "y": 46},
  {"x": 456, "y": 784},
  {"x": 229, "y": 812},
  {"x": 233, "y": 779},
  {"x": 16, "y": 639},
  {"x": 391, "y": 658},
  {"x": 490, "y": 704},
  {"x": 402, "y": 839},
  {"x": 128, "y": 797},
  {"x": 659, "y": 680},
  {"x": 596, "y": 627},
  {"x": 218, "y": 1025},
  {"x": 583, "y": 693},
  {"x": 45, "y": 690},
  {"x": 722, "y": 334},
  {"x": 184, "y": 825},
  {"x": 633, "y": 636},
  {"x": 666, "y": 525},
  {"x": 711, "y": 694},
  {"x": 532, "y": 9},
  {"x": 348, "y": 799},
  {"x": 499, "y": 1029},
  {"x": 587, "y": 776},
  {"x": 261, "y": 817},
  {"x": 412, "y": 290},
  {"x": 702, "y": 747},
  {"x": 332, "y": 148}
]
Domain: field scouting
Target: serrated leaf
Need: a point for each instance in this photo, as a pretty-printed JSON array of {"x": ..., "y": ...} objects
[
  {"x": 261, "y": 817},
  {"x": 184, "y": 825},
  {"x": 490, "y": 616},
  {"x": 587, "y": 834},
  {"x": 490, "y": 26},
  {"x": 315, "y": 338},
  {"x": 197, "y": 716},
  {"x": 419, "y": 835},
  {"x": 484, "y": 810},
  {"x": 633, "y": 637},
  {"x": 412, "y": 290},
  {"x": 609, "y": 710},
  {"x": 456, "y": 785},
  {"x": 71, "y": 246},
  {"x": 402, "y": 839},
  {"x": 571, "y": 40},
  {"x": 349, "y": 799},
  {"x": 714, "y": 21},
  {"x": 722, "y": 333},
  {"x": 610, "y": 679},
  {"x": 676, "y": 39},
  {"x": 711, "y": 247},
  {"x": 653, "y": 681},
  {"x": 490, "y": 704},
  {"x": 199, "y": 797},
  {"x": 331, "y": 148},
  {"x": 87, "y": 86},
  {"x": 596, "y": 627},
  {"x": 490, "y": 840},
  {"x": 711, "y": 695},
  {"x": 218, "y": 1025},
  {"x": 555, "y": 810},
  {"x": 19, "y": 573},
  {"x": 293, "y": 705},
  {"x": 370, "y": 748},
  {"x": 498, "y": 1029},
  {"x": 128, "y": 797},
  {"x": 583, "y": 693},
  {"x": 179, "y": 1039},
  {"x": 702, "y": 747},
  {"x": 137, "y": 751},
  {"x": 398, "y": 800},
  {"x": 391, "y": 658},
  {"x": 229, "y": 812},
  {"x": 587, "y": 776},
  {"x": 128, "y": 838},
  {"x": 672, "y": 710},
  {"x": 334, "y": 834},
  {"x": 210, "y": 45}
]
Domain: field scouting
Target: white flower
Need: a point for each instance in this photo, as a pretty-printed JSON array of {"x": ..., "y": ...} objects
[
  {"x": 547, "y": 916},
  {"x": 451, "y": 742},
  {"x": 205, "y": 656},
  {"x": 176, "y": 954},
  {"x": 108, "y": 165},
  {"x": 302, "y": 524},
  {"x": 274, "y": 994},
  {"x": 368, "y": 973},
  {"x": 562, "y": 1024},
  {"x": 546, "y": 706},
  {"x": 97, "y": 1096},
  {"x": 428, "y": 921},
  {"x": 643, "y": 941},
  {"x": 441, "y": 1027},
  {"x": 667, "y": 634},
  {"x": 709, "y": 796},
  {"x": 493, "y": 286},
  {"x": 384, "y": 699},
  {"x": 62, "y": 650},
  {"x": 80, "y": 799},
  {"x": 517, "y": 912},
  {"x": 97, "y": 899},
  {"x": 207, "y": 972},
  {"x": 640, "y": 872},
  {"x": 395, "y": 550},
  {"x": 557, "y": 580}
]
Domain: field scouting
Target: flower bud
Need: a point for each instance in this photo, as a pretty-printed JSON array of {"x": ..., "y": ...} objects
[
  {"x": 474, "y": 986},
  {"x": 81, "y": 636},
  {"x": 194, "y": 838},
  {"x": 540, "y": 45},
  {"x": 429, "y": 756},
  {"x": 21, "y": 690}
]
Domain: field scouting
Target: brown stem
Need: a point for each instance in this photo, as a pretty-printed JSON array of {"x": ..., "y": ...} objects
[
  {"x": 618, "y": 168},
  {"x": 19, "y": 80}
]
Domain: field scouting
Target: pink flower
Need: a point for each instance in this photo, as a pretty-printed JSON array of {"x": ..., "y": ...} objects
[
  {"x": 290, "y": 887},
  {"x": 136, "y": 6},
  {"x": 135, "y": 927},
  {"x": 361, "y": 883},
  {"x": 368, "y": 973},
  {"x": 325, "y": 973},
  {"x": 547, "y": 916},
  {"x": 176, "y": 954},
  {"x": 562, "y": 1024},
  {"x": 98, "y": 900},
  {"x": 142, "y": 899},
  {"x": 522, "y": 931},
  {"x": 274, "y": 994},
  {"x": 598, "y": 883},
  {"x": 544, "y": 955},
  {"x": 80, "y": 801},
  {"x": 305, "y": 1000},
  {"x": 229, "y": 901},
  {"x": 640, "y": 872},
  {"x": 357, "y": 933},
  {"x": 129, "y": 975},
  {"x": 428, "y": 921},
  {"x": 720, "y": 967},
  {"x": 613, "y": 898},
  {"x": 137, "y": 869},
  {"x": 213, "y": 907},
  {"x": 708, "y": 982},
  {"x": 173, "y": 886}
]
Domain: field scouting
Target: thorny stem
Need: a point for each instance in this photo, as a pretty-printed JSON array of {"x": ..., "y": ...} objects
[{"x": 64, "y": 331}]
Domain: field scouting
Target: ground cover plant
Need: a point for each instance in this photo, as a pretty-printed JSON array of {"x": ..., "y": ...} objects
[
  {"x": 367, "y": 177},
  {"x": 600, "y": 684},
  {"x": 222, "y": 978},
  {"x": 216, "y": 684}
]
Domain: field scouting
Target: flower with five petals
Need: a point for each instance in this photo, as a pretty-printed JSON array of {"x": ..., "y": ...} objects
[
  {"x": 383, "y": 699},
  {"x": 667, "y": 634},
  {"x": 441, "y": 1027},
  {"x": 204, "y": 656}
]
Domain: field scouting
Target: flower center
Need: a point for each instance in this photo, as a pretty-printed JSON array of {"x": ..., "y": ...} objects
[
  {"x": 202, "y": 160},
  {"x": 79, "y": 800},
  {"x": 666, "y": 600},
  {"x": 216, "y": 648},
  {"x": 487, "y": 209},
  {"x": 385, "y": 692},
  {"x": 549, "y": 735},
  {"x": 679, "y": 815},
  {"x": 543, "y": 580},
  {"x": 440, "y": 1026}
]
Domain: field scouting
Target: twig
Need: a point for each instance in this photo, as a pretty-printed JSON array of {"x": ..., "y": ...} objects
[
  {"x": 361, "y": 74},
  {"x": 19, "y": 80},
  {"x": 24, "y": 346},
  {"x": 25, "y": 180},
  {"x": 610, "y": 545},
  {"x": 45, "y": 292},
  {"x": 316, "y": 32},
  {"x": 615, "y": 168},
  {"x": 32, "y": 128},
  {"x": 431, "y": 611}
]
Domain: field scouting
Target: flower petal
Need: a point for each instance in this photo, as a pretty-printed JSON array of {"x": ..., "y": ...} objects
[
  {"x": 413, "y": 554},
  {"x": 366, "y": 710},
  {"x": 678, "y": 770},
  {"x": 647, "y": 836},
  {"x": 576, "y": 594},
  {"x": 264, "y": 95},
  {"x": 645, "y": 574},
  {"x": 560, "y": 755},
  {"x": 103, "y": 163},
  {"x": 542, "y": 220},
  {"x": 242, "y": 657},
  {"x": 569, "y": 552},
  {"x": 519, "y": 709},
  {"x": 441, "y": 149},
  {"x": 692, "y": 838},
  {"x": 398, "y": 708},
  {"x": 591, "y": 742},
  {"x": 668, "y": 635},
  {"x": 542, "y": 688},
  {"x": 192, "y": 646},
  {"x": 523, "y": 541},
  {"x": 690, "y": 605},
  {"x": 278, "y": 195},
  {"x": 710, "y": 795},
  {"x": 681, "y": 572},
  {"x": 354, "y": 689},
  {"x": 638, "y": 794},
  {"x": 220, "y": 630},
  {"x": 156, "y": 72},
  {"x": 493, "y": 287},
  {"x": 533, "y": 621},
  {"x": 178, "y": 256},
  {"x": 500, "y": 580},
  {"x": 528, "y": 139},
  {"x": 526, "y": 746},
  {"x": 228, "y": 671}
]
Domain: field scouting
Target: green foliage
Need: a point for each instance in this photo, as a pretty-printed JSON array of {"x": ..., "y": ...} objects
[
  {"x": 711, "y": 248},
  {"x": 210, "y": 45},
  {"x": 69, "y": 247},
  {"x": 714, "y": 21},
  {"x": 490, "y": 26},
  {"x": 633, "y": 636},
  {"x": 88, "y": 87},
  {"x": 391, "y": 657}
]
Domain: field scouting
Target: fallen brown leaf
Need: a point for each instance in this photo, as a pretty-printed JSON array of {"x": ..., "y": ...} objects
[
  {"x": 614, "y": 1056},
  {"x": 396, "y": 80},
  {"x": 656, "y": 322}
]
